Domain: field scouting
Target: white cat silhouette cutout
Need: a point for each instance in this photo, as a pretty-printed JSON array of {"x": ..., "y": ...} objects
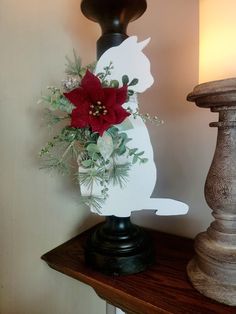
[{"x": 128, "y": 58}]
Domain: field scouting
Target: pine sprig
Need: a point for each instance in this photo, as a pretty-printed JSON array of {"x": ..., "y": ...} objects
[
  {"x": 90, "y": 177},
  {"x": 119, "y": 174},
  {"x": 54, "y": 163},
  {"x": 74, "y": 67},
  {"x": 57, "y": 157},
  {"x": 92, "y": 201},
  {"x": 51, "y": 118}
]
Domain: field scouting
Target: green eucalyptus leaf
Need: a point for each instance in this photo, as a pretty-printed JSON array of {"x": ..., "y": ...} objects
[
  {"x": 65, "y": 105},
  {"x": 125, "y": 79},
  {"x": 94, "y": 136},
  {"x": 92, "y": 148},
  {"x": 114, "y": 84},
  {"x": 133, "y": 82},
  {"x": 121, "y": 150},
  {"x": 127, "y": 140},
  {"x": 130, "y": 92},
  {"x": 144, "y": 160},
  {"x": 135, "y": 159},
  {"x": 132, "y": 151},
  {"x": 113, "y": 131},
  {"x": 140, "y": 154},
  {"x": 87, "y": 163},
  {"x": 125, "y": 125},
  {"x": 105, "y": 145},
  {"x": 123, "y": 136},
  {"x": 87, "y": 133},
  {"x": 95, "y": 156}
]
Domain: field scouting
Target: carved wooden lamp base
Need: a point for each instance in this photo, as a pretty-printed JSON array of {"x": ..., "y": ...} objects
[
  {"x": 209, "y": 286},
  {"x": 213, "y": 270}
]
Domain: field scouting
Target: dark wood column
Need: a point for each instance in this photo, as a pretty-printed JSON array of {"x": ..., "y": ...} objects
[{"x": 113, "y": 16}]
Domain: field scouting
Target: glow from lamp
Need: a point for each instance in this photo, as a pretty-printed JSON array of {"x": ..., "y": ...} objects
[{"x": 217, "y": 40}]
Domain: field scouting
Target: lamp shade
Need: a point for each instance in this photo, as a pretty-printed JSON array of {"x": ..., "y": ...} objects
[{"x": 217, "y": 40}]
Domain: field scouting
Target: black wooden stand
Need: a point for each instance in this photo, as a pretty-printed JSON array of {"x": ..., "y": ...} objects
[
  {"x": 113, "y": 16},
  {"x": 116, "y": 247}
]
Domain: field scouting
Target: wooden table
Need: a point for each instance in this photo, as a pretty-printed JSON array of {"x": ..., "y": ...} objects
[{"x": 163, "y": 288}]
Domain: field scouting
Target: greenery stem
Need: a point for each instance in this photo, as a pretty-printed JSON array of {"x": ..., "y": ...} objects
[{"x": 66, "y": 151}]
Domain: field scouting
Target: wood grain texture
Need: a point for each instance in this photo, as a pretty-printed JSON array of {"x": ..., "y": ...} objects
[
  {"x": 163, "y": 288},
  {"x": 213, "y": 270}
]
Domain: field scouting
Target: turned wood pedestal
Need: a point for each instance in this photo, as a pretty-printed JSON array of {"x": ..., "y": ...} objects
[{"x": 213, "y": 269}]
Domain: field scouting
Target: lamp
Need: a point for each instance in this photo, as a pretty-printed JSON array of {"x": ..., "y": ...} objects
[
  {"x": 217, "y": 40},
  {"x": 213, "y": 269}
]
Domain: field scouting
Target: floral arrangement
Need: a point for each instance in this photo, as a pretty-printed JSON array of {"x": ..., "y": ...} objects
[{"x": 90, "y": 114}]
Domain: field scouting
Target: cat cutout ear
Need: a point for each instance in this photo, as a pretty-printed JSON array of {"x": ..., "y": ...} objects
[
  {"x": 144, "y": 43},
  {"x": 128, "y": 59}
]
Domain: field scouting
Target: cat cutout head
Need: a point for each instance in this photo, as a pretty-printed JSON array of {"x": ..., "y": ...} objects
[{"x": 128, "y": 58}]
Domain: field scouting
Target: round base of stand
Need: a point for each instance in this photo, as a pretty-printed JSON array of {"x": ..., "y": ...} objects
[{"x": 118, "y": 247}]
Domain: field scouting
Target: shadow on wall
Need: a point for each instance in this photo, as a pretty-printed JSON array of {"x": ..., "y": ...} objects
[{"x": 83, "y": 32}]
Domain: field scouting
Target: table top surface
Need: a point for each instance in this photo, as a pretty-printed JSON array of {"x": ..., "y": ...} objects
[{"x": 163, "y": 288}]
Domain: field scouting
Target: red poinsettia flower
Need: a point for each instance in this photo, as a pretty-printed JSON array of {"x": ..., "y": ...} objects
[{"x": 96, "y": 106}]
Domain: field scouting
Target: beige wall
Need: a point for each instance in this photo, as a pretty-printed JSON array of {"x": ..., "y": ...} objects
[{"x": 39, "y": 211}]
